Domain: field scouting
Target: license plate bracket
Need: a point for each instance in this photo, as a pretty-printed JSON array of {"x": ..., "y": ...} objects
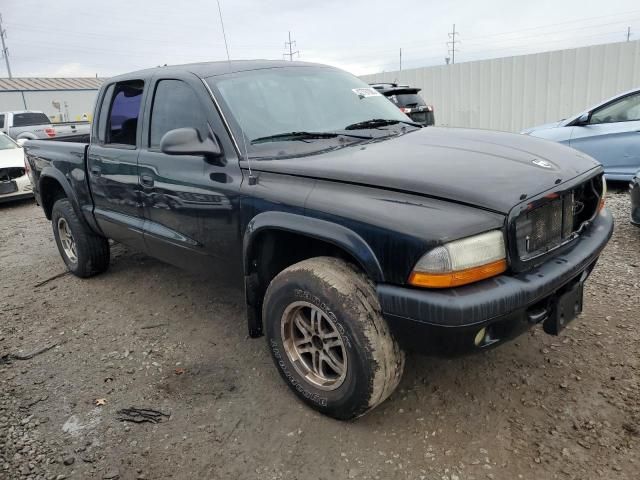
[{"x": 566, "y": 307}]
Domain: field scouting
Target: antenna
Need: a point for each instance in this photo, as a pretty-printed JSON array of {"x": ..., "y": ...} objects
[{"x": 252, "y": 179}]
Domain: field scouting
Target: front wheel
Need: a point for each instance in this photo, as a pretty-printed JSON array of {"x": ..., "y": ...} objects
[
  {"x": 328, "y": 339},
  {"x": 85, "y": 253}
]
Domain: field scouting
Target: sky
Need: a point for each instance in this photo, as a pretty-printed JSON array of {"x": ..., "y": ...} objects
[{"x": 104, "y": 38}]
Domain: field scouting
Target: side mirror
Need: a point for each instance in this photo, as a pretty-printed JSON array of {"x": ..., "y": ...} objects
[
  {"x": 186, "y": 141},
  {"x": 21, "y": 141},
  {"x": 583, "y": 119}
]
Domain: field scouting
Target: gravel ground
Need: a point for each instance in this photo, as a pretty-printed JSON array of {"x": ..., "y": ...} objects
[{"x": 147, "y": 335}]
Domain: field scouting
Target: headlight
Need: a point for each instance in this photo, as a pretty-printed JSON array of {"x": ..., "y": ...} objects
[{"x": 461, "y": 262}]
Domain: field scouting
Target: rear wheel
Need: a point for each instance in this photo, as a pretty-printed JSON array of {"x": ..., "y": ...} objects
[
  {"x": 85, "y": 253},
  {"x": 328, "y": 339}
]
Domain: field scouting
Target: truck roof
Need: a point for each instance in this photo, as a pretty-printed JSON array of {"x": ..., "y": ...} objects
[{"x": 211, "y": 69}]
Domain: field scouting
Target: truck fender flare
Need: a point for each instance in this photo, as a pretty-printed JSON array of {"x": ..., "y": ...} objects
[
  {"x": 330, "y": 232},
  {"x": 52, "y": 173}
]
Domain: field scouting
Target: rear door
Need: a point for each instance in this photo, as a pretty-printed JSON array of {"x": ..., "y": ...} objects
[
  {"x": 113, "y": 163},
  {"x": 190, "y": 202},
  {"x": 613, "y": 137}
]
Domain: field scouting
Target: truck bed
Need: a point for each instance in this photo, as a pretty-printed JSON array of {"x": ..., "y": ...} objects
[{"x": 56, "y": 157}]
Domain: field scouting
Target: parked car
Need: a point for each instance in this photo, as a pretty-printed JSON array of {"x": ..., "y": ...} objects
[
  {"x": 14, "y": 182},
  {"x": 409, "y": 101},
  {"x": 31, "y": 125},
  {"x": 609, "y": 132},
  {"x": 352, "y": 229},
  {"x": 635, "y": 199}
]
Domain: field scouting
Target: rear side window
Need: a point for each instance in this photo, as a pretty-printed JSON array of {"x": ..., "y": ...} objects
[
  {"x": 104, "y": 114},
  {"x": 30, "y": 118},
  {"x": 122, "y": 126},
  {"x": 175, "y": 105}
]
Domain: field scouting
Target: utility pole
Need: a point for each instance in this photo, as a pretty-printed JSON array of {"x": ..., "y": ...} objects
[
  {"x": 289, "y": 45},
  {"x": 5, "y": 50},
  {"x": 628, "y": 33},
  {"x": 400, "y": 58},
  {"x": 451, "y": 44}
]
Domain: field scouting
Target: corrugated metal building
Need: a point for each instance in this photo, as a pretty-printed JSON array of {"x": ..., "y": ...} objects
[
  {"x": 62, "y": 99},
  {"x": 517, "y": 92}
]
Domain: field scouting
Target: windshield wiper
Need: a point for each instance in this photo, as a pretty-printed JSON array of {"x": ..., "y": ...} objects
[
  {"x": 303, "y": 136},
  {"x": 377, "y": 122}
]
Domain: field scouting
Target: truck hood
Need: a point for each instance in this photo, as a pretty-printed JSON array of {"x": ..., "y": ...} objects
[
  {"x": 11, "y": 158},
  {"x": 491, "y": 170},
  {"x": 487, "y": 169}
]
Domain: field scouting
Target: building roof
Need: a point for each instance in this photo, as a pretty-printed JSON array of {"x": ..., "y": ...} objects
[{"x": 43, "y": 84}]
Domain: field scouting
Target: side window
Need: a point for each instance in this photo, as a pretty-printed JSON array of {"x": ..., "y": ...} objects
[
  {"x": 175, "y": 105},
  {"x": 104, "y": 114},
  {"x": 1, "y": 121},
  {"x": 122, "y": 124},
  {"x": 624, "y": 110}
]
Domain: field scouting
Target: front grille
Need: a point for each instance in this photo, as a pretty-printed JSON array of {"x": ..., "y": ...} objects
[
  {"x": 559, "y": 219},
  {"x": 11, "y": 173}
]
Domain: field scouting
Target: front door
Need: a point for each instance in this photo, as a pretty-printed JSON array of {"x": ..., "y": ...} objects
[
  {"x": 612, "y": 137},
  {"x": 191, "y": 203},
  {"x": 112, "y": 162}
]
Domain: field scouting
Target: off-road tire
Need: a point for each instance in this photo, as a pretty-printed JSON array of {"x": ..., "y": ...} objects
[
  {"x": 92, "y": 250},
  {"x": 374, "y": 359}
]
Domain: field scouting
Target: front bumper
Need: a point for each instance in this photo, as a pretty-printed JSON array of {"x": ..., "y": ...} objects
[
  {"x": 24, "y": 190},
  {"x": 446, "y": 321}
]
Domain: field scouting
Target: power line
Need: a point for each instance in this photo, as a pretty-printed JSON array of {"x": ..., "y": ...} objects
[
  {"x": 451, "y": 44},
  {"x": 5, "y": 50},
  {"x": 290, "y": 44}
]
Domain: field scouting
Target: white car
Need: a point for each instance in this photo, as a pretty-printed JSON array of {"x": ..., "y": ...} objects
[{"x": 14, "y": 181}]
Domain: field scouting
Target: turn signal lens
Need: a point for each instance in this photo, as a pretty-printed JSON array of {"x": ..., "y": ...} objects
[
  {"x": 455, "y": 279},
  {"x": 461, "y": 262},
  {"x": 604, "y": 194}
]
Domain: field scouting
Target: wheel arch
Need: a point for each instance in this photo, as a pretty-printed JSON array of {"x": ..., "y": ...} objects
[
  {"x": 53, "y": 185},
  {"x": 275, "y": 240}
]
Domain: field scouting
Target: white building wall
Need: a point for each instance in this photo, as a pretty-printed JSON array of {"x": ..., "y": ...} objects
[
  {"x": 79, "y": 102},
  {"x": 513, "y": 93}
]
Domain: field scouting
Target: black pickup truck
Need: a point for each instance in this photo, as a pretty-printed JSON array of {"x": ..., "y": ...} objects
[{"x": 355, "y": 233}]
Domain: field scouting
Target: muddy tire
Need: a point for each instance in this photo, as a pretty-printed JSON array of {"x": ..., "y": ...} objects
[
  {"x": 85, "y": 253},
  {"x": 328, "y": 338}
]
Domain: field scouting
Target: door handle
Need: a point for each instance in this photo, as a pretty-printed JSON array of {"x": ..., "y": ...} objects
[
  {"x": 146, "y": 180},
  {"x": 96, "y": 171}
]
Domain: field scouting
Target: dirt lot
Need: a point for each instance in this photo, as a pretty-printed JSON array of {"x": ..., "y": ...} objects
[{"x": 148, "y": 335}]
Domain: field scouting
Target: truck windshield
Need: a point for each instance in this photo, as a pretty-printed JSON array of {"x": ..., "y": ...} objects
[
  {"x": 301, "y": 99},
  {"x": 30, "y": 118}
]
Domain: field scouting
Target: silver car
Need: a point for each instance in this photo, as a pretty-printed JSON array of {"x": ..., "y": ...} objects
[{"x": 609, "y": 132}]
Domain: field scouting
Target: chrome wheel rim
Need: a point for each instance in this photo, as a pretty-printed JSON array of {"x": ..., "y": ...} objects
[
  {"x": 314, "y": 345},
  {"x": 66, "y": 240}
]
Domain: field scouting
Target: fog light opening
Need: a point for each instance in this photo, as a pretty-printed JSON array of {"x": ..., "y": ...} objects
[{"x": 480, "y": 337}]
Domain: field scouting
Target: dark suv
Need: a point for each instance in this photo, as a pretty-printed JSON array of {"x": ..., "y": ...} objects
[{"x": 409, "y": 101}]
